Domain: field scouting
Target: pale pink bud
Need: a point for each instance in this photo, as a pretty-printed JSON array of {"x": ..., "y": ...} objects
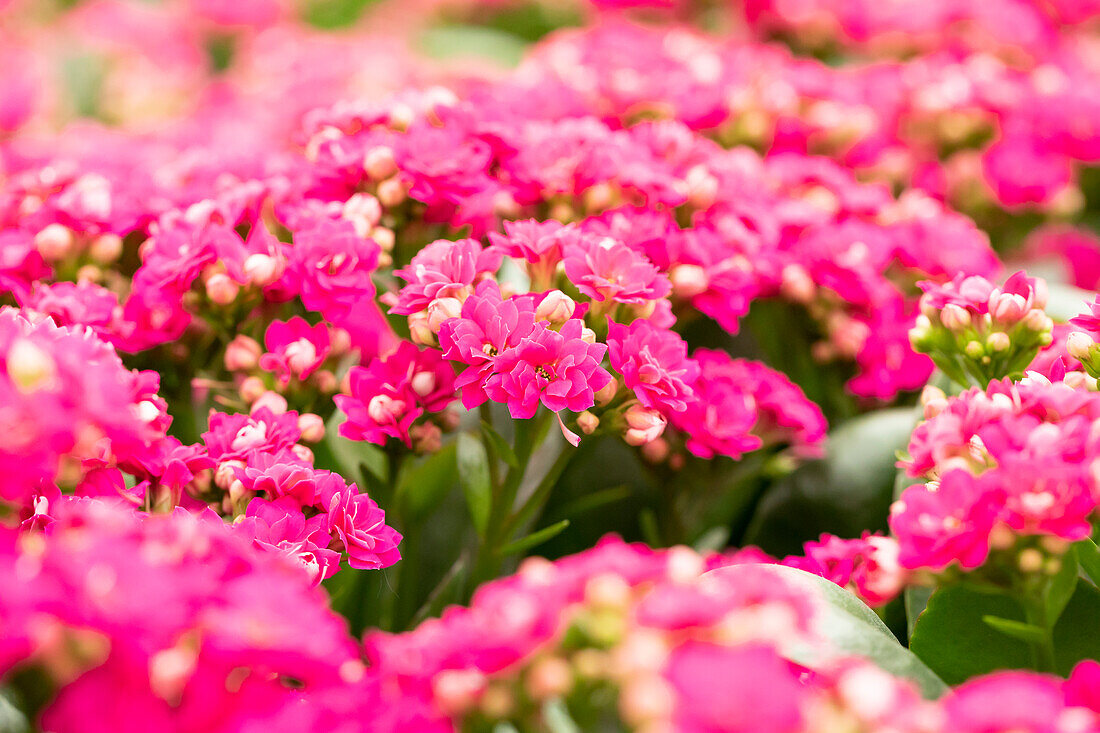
[
  {"x": 426, "y": 437},
  {"x": 607, "y": 591},
  {"x": 170, "y": 670},
  {"x": 423, "y": 383},
  {"x": 30, "y": 367},
  {"x": 300, "y": 355},
  {"x": 556, "y": 307},
  {"x": 797, "y": 285},
  {"x": 998, "y": 341},
  {"x": 656, "y": 451},
  {"x": 420, "y": 330},
  {"x": 242, "y": 354},
  {"x": 549, "y": 678},
  {"x": 442, "y": 310},
  {"x": 226, "y": 473},
  {"x": 702, "y": 188},
  {"x": 312, "y": 427},
  {"x": 262, "y": 270},
  {"x": 607, "y": 392},
  {"x": 221, "y": 289},
  {"x": 1037, "y": 320},
  {"x": 643, "y": 425},
  {"x": 341, "y": 341},
  {"x": 384, "y": 238},
  {"x": 384, "y": 409},
  {"x": 105, "y": 248},
  {"x": 391, "y": 192},
  {"x": 934, "y": 401},
  {"x": 587, "y": 422},
  {"x": 1079, "y": 345},
  {"x": 363, "y": 207},
  {"x": 955, "y": 317},
  {"x": 379, "y": 163},
  {"x": 251, "y": 389},
  {"x": 1007, "y": 307},
  {"x": 1039, "y": 294},
  {"x": 688, "y": 280},
  {"x": 89, "y": 274},
  {"x": 644, "y": 698},
  {"x": 325, "y": 381},
  {"x": 454, "y": 691},
  {"x": 303, "y": 453},
  {"x": 588, "y": 335},
  {"x": 54, "y": 242},
  {"x": 272, "y": 401}
]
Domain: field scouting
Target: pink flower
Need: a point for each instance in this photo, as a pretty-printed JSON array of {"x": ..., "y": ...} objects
[
  {"x": 947, "y": 524},
  {"x": 277, "y": 478},
  {"x": 443, "y": 269},
  {"x": 295, "y": 349},
  {"x": 606, "y": 269},
  {"x": 75, "y": 304},
  {"x": 392, "y": 392},
  {"x": 241, "y": 437},
  {"x": 653, "y": 363},
  {"x": 1017, "y": 701},
  {"x": 557, "y": 368},
  {"x": 333, "y": 266},
  {"x": 280, "y": 526},
  {"x": 355, "y": 520},
  {"x": 540, "y": 244}
]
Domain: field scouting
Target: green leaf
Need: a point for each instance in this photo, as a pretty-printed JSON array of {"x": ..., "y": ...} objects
[
  {"x": 1062, "y": 586},
  {"x": 712, "y": 540},
  {"x": 1016, "y": 629},
  {"x": 447, "y": 591},
  {"x": 848, "y": 491},
  {"x": 916, "y": 600},
  {"x": 500, "y": 445},
  {"x": 471, "y": 41},
  {"x": 1088, "y": 554},
  {"x": 848, "y": 625},
  {"x": 557, "y": 718},
  {"x": 349, "y": 457},
  {"x": 534, "y": 539},
  {"x": 473, "y": 475},
  {"x": 11, "y": 719},
  {"x": 1077, "y": 633},
  {"x": 422, "y": 485},
  {"x": 952, "y": 638}
]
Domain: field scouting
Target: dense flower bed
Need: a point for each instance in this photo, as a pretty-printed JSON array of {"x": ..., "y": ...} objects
[{"x": 314, "y": 340}]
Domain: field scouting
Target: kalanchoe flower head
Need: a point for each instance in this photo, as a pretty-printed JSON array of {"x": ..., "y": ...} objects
[
  {"x": 295, "y": 349},
  {"x": 333, "y": 267},
  {"x": 606, "y": 269},
  {"x": 975, "y": 331},
  {"x": 357, "y": 524},
  {"x": 393, "y": 392},
  {"x": 280, "y": 526},
  {"x": 444, "y": 269},
  {"x": 560, "y": 369},
  {"x": 653, "y": 363}
]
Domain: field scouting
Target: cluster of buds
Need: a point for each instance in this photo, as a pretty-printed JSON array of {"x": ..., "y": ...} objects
[{"x": 976, "y": 332}]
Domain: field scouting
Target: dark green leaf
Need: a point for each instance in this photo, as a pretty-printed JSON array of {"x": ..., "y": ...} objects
[
  {"x": 952, "y": 638},
  {"x": 500, "y": 445},
  {"x": 348, "y": 457},
  {"x": 1077, "y": 633},
  {"x": 849, "y": 626},
  {"x": 1062, "y": 586},
  {"x": 534, "y": 539},
  {"x": 850, "y": 490},
  {"x": 446, "y": 592},
  {"x": 473, "y": 476},
  {"x": 423, "y": 484},
  {"x": 916, "y": 600},
  {"x": 1089, "y": 556},
  {"x": 1015, "y": 629}
]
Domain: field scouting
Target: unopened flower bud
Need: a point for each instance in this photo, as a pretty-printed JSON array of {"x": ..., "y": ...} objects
[
  {"x": 302, "y": 452},
  {"x": 1030, "y": 560},
  {"x": 384, "y": 238},
  {"x": 379, "y": 162},
  {"x": 455, "y": 691},
  {"x": 385, "y": 409},
  {"x": 242, "y": 354},
  {"x": 272, "y": 401},
  {"x": 797, "y": 285},
  {"x": 587, "y": 422},
  {"x": 54, "y": 242},
  {"x": 29, "y": 366},
  {"x": 420, "y": 330},
  {"x": 556, "y": 307},
  {"x": 325, "y": 381},
  {"x": 588, "y": 335},
  {"x": 311, "y": 426},
  {"x": 262, "y": 270},
  {"x": 363, "y": 210},
  {"x": 644, "y": 698},
  {"x": 106, "y": 248},
  {"x": 607, "y": 392},
  {"x": 1079, "y": 345},
  {"x": 221, "y": 289},
  {"x": 549, "y": 678},
  {"x": 934, "y": 401},
  {"x": 1007, "y": 308},
  {"x": 688, "y": 280},
  {"x": 423, "y": 383},
  {"x": 226, "y": 473},
  {"x": 392, "y": 193},
  {"x": 426, "y": 437},
  {"x": 656, "y": 451},
  {"x": 955, "y": 317},
  {"x": 974, "y": 349},
  {"x": 251, "y": 389},
  {"x": 643, "y": 425},
  {"x": 442, "y": 310},
  {"x": 998, "y": 341}
]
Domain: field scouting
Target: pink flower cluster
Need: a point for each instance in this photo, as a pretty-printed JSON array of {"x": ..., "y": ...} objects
[{"x": 1015, "y": 460}]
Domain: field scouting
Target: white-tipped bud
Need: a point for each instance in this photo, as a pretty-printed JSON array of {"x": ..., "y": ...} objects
[
  {"x": 556, "y": 307},
  {"x": 221, "y": 289},
  {"x": 312, "y": 427},
  {"x": 54, "y": 242}
]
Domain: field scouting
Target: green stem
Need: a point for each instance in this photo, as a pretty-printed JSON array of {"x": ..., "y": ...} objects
[{"x": 1042, "y": 651}]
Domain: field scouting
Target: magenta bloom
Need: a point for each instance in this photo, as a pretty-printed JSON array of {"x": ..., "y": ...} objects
[
  {"x": 950, "y": 524},
  {"x": 75, "y": 304},
  {"x": 295, "y": 348},
  {"x": 274, "y": 477},
  {"x": 240, "y": 437},
  {"x": 653, "y": 363},
  {"x": 606, "y": 269},
  {"x": 558, "y": 369},
  {"x": 443, "y": 269},
  {"x": 392, "y": 392},
  {"x": 280, "y": 526},
  {"x": 356, "y": 521},
  {"x": 333, "y": 265},
  {"x": 487, "y": 327}
]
